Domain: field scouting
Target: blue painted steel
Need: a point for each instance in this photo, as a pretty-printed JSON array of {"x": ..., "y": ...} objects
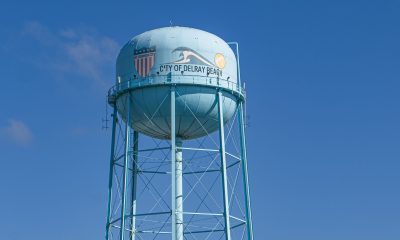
[
  {"x": 125, "y": 174},
  {"x": 152, "y": 115},
  {"x": 196, "y": 62},
  {"x": 179, "y": 189},
  {"x": 134, "y": 183},
  {"x": 249, "y": 220},
  {"x": 223, "y": 168},
  {"x": 243, "y": 152},
  {"x": 173, "y": 167},
  {"x": 173, "y": 50},
  {"x": 110, "y": 177},
  {"x": 177, "y": 84},
  {"x": 238, "y": 62}
]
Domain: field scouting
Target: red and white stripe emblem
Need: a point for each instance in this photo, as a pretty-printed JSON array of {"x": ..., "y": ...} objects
[{"x": 144, "y": 62}]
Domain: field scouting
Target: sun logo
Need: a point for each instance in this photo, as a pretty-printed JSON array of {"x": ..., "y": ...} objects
[{"x": 219, "y": 60}]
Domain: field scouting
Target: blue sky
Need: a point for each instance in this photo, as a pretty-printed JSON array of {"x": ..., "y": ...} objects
[{"x": 323, "y": 81}]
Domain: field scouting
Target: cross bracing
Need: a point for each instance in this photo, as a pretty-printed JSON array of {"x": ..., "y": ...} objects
[{"x": 141, "y": 185}]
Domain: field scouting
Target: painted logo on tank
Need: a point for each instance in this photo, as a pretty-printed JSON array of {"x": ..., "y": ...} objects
[
  {"x": 144, "y": 59},
  {"x": 193, "y": 62},
  {"x": 219, "y": 60},
  {"x": 190, "y": 56}
]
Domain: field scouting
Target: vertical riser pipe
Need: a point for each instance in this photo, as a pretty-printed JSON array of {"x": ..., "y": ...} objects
[
  {"x": 179, "y": 190},
  {"x": 249, "y": 222},
  {"x": 125, "y": 173},
  {"x": 111, "y": 174},
  {"x": 224, "y": 168},
  {"x": 134, "y": 183}
]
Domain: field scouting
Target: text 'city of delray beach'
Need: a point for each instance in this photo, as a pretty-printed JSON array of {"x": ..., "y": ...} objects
[{"x": 190, "y": 68}]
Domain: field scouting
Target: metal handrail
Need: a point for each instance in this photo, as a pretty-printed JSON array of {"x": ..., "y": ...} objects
[{"x": 176, "y": 79}]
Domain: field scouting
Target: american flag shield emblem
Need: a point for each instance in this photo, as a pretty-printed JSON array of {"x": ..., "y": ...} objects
[{"x": 144, "y": 60}]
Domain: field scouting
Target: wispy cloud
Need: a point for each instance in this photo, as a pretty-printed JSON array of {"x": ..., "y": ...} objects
[
  {"x": 18, "y": 132},
  {"x": 81, "y": 52}
]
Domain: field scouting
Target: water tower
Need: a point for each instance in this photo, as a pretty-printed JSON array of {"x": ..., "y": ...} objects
[{"x": 178, "y": 167}]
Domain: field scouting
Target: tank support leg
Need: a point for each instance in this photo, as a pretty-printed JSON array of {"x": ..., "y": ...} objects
[
  {"x": 134, "y": 183},
  {"x": 224, "y": 168},
  {"x": 176, "y": 174},
  {"x": 110, "y": 178},
  {"x": 179, "y": 189},
  {"x": 125, "y": 171},
  {"x": 249, "y": 222}
]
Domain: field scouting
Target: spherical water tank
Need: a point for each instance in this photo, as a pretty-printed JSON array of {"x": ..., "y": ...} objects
[{"x": 195, "y": 63}]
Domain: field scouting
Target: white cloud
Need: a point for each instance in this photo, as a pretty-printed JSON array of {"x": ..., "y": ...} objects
[
  {"x": 18, "y": 132},
  {"x": 79, "y": 52},
  {"x": 90, "y": 54}
]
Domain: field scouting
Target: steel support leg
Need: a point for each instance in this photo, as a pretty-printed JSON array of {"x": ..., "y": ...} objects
[
  {"x": 173, "y": 167},
  {"x": 134, "y": 183},
  {"x": 223, "y": 168},
  {"x": 179, "y": 190},
  {"x": 249, "y": 221},
  {"x": 176, "y": 173},
  {"x": 110, "y": 177},
  {"x": 125, "y": 173}
]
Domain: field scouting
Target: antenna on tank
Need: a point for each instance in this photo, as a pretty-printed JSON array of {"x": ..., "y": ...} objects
[{"x": 105, "y": 120}]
